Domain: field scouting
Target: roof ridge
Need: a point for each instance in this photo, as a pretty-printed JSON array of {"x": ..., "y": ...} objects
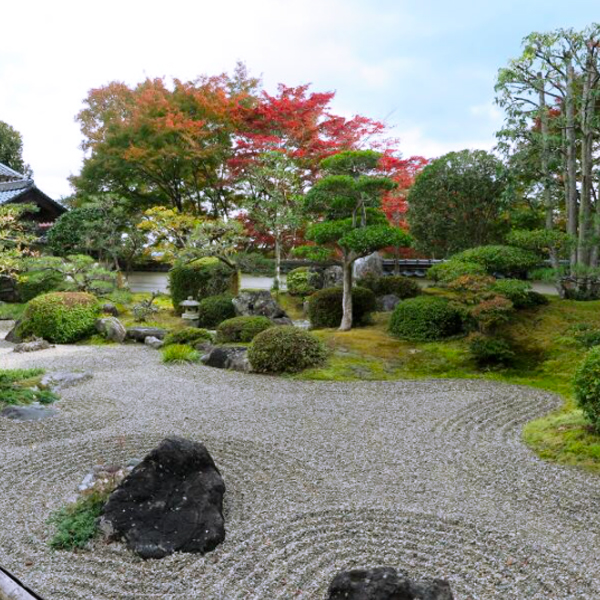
[{"x": 8, "y": 172}]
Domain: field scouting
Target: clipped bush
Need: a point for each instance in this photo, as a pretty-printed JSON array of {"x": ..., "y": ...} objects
[
  {"x": 325, "y": 307},
  {"x": 302, "y": 282},
  {"x": 214, "y": 310},
  {"x": 492, "y": 312},
  {"x": 491, "y": 351},
  {"x": 448, "y": 271},
  {"x": 399, "y": 286},
  {"x": 587, "y": 387},
  {"x": 285, "y": 349},
  {"x": 500, "y": 260},
  {"x": 188, "y": 335},
  {"x": 241, "y": 329},
  {"x": 179, "y": 353},
  {"x": 425, "y": 318},
  {"x": 200, "y": 279},
  {"x": 60, "y": 317},
  {"x": 519, "y": 293},
  {"x": 35, "y": 283}
]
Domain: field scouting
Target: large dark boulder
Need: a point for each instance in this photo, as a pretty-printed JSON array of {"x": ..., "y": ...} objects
[
  {"x": 384, "y": 583},
  {"x": 172, "y": 501},
  {"x": 139, "y": 334},
  {"x": 228, "y": 357},
  {"x": 257, "y": 303},
  {"x": 112, "y": 329}
]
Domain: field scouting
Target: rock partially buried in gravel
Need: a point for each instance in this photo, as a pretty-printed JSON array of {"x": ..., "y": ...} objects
[
  {"x": 139, "y": 334},
  {"x": 63, "y": 379},
  {"x": 223, "y": 357},
  {"x": 34, "y": 412},
  {"x": 154, "y": 342},
  {"x": 384, "y": 583},
  {"x": 112, "y": 329},
  {"x": 33, "y": 346},
  {"x": 172, "y": 501}
]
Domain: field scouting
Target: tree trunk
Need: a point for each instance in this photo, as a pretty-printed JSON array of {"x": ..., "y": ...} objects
[
  {"x": 346, "y": 323},
  {"x": 277, "y": 264},
  {"x": 544, "y": 157},
  {"x": 571, "y": 166}
]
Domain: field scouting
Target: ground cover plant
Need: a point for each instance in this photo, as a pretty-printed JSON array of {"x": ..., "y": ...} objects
[
  {"x": 180, "y": 353},
  {"x": 241, "y": 329},
  {"x": 21, "y": 386},
  {"x": 188, "y": 335}
]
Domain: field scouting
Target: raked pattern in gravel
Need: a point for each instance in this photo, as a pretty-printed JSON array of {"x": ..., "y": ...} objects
[{"x": 426, "y": 476}]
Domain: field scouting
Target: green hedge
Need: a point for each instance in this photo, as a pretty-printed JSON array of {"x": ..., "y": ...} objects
[
  {"x": 241, "y": 329},
  {"x": 285, "y": 349},
  {"x": 399, "y": 286},
  {"x": 200, "y": 279},
  {"x": 426, "y": 318},
  {"x": 519, "y": 293},
  {"x": 452, "y": 269},
  {"x": 501, "y": 260},
  {"x": 587, "y": 387},
  {"x": 302, "y": 282},
  {"x": 60, "y": 317},
  {"x": 214, "y": 310},
  {"x": 490, "y": 351},
  {"x": 188, "y": 335},
  {"x": 325, "y": 307},
  {"x": 35, "y": 283}
]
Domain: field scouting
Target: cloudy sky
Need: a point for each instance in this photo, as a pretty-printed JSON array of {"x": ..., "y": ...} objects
[{"x": 427, "y": 67}]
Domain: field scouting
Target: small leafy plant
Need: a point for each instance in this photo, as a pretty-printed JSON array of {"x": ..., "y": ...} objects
[{"x": 180, "y": 353}]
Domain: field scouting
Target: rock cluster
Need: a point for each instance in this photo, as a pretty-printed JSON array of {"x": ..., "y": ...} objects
[{"x": 33, "y": 346}]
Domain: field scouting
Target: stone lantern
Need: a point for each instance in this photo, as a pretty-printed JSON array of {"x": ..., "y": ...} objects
[{"x": 190, "y": 311}]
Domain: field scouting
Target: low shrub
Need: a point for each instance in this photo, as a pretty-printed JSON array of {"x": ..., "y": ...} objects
[
  {"x": 325, "y": 307},
  {"x": 20, "y": 386},
  {"x": 77, "y": 523},
  {"x": 586, "y": 335},
  {"x": 491, "y": 351},
  {"x": 285, "y": 349},
  {"x": 500, "y": 260},
  {"x": 214, "y": 310},
  {"x": 399, "y": 286},
  {"x": 60, "y": 317},
  {"x": 425, "y": 318},
  {"x": 35, "y": 283},
  {"x": 448, "y": 271},
  {"x": 188, "y": 335},
  {"x": 587, "y": 387},
  {"x": 200, "y": 279},
  {"x": 180, "y": 353},
  {"x": 492, "y": 312},
  {"x": 302, "y": 282},
  {"x": 241, "y": 329}
]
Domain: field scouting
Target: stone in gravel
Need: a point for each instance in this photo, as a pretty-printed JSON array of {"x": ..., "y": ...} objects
[
  {"x": 33, "y": 346},
  {"x": 33, "y": 412},
  {"x": 12, "y": 336},
  {"x": 63, "y": 379},
  {"x": 154, "y": 342},
  {"x": 112, "y": 329},
  {"x": 388, "y": 302},
  {"x": 139, "y": 334},
  {"x": 108, "y": 308},
  {"x": 384, "y": 583},
  {"x": 224, "y": 357},
  {"x": 172, "y": 501},
  {"x": 251, "y": 303}
]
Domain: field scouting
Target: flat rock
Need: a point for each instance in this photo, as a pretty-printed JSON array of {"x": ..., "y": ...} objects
[
  {"x": 384, "y": 583},
  {"x": 153, "y": 342},
  {"x": 172, "y": 501},
  {"x": 33, "y": 412},
  {"x": 112, "y": 329},
  {"x": 64, "y": 379},
  {"x": 228, "y": 357},
  {"x": 139, "y": 334},
  {"x": 33, "y": 346}
]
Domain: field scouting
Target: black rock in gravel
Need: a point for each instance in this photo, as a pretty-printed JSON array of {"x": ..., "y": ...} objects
[
  {"x": 172, "y": 501},
  {"x": 384, "y": 583},
  {"x": 228, "y": 357},
  {"x": 139, "y": 334}
]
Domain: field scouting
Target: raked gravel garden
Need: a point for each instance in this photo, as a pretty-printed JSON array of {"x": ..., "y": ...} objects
[{"x": 430, "y": 477}]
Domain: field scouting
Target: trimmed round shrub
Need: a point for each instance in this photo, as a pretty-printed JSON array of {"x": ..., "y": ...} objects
[
  {"x": 188, "y": 335},
  {"x": 302, "y": 282},
  {"x": 448, "y": 271},
  {"x": 491, "y": 351},
  {"x": 325, "y": 307},
  {"x": 519, "y": 293},
  {"x": 285, "y": 349},
  {"x": 179, "y": 353},
  {"x": 241, "y": 329},
  {"x": 426, "y": 318},
  {"x": 214, "y": 310},
  {"x": 34, "y": 284},
  {"x": 60, "y": 317},
  {"x": 500, "y": 260},
  {"x": 403, "y": 287},
  {"x": 587, "y": 387},
  {"x": 200, "y": 279}
]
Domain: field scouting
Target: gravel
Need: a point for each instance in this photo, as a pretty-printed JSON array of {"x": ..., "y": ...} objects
[{"x": 429, "y": 477}]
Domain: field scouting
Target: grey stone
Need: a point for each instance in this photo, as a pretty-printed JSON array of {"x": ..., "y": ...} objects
[
  {"x": 112, "y": 329},
  {"x": 368, "y": 265},
  {"x": 250, "y": 303},
  {"x": 154, "y": 342},
  {"x": 33, "y": 412},
  {"x": 109, "y": 308},
  {"x": 384, "y": 583},
  {"x": 139, "y": 334},
  {"x": 388, "y": 302},
  {"x": 12, "y": 336},
  {"x": 282, "y": 321},
  {"x": 228, "y": 357},
  {"x": 204, "y": 347},
  {"x": 333, "y": 276},
  {"x": 172, "y": 501},
  {"x": 64, "y": 379},
  {"x": 33, "y": 346}
]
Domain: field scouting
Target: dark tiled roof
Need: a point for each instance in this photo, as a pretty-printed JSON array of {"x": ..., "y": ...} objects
[
  {"x": 10, "y": 190},
  {"x": 7, "y": 172}
]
